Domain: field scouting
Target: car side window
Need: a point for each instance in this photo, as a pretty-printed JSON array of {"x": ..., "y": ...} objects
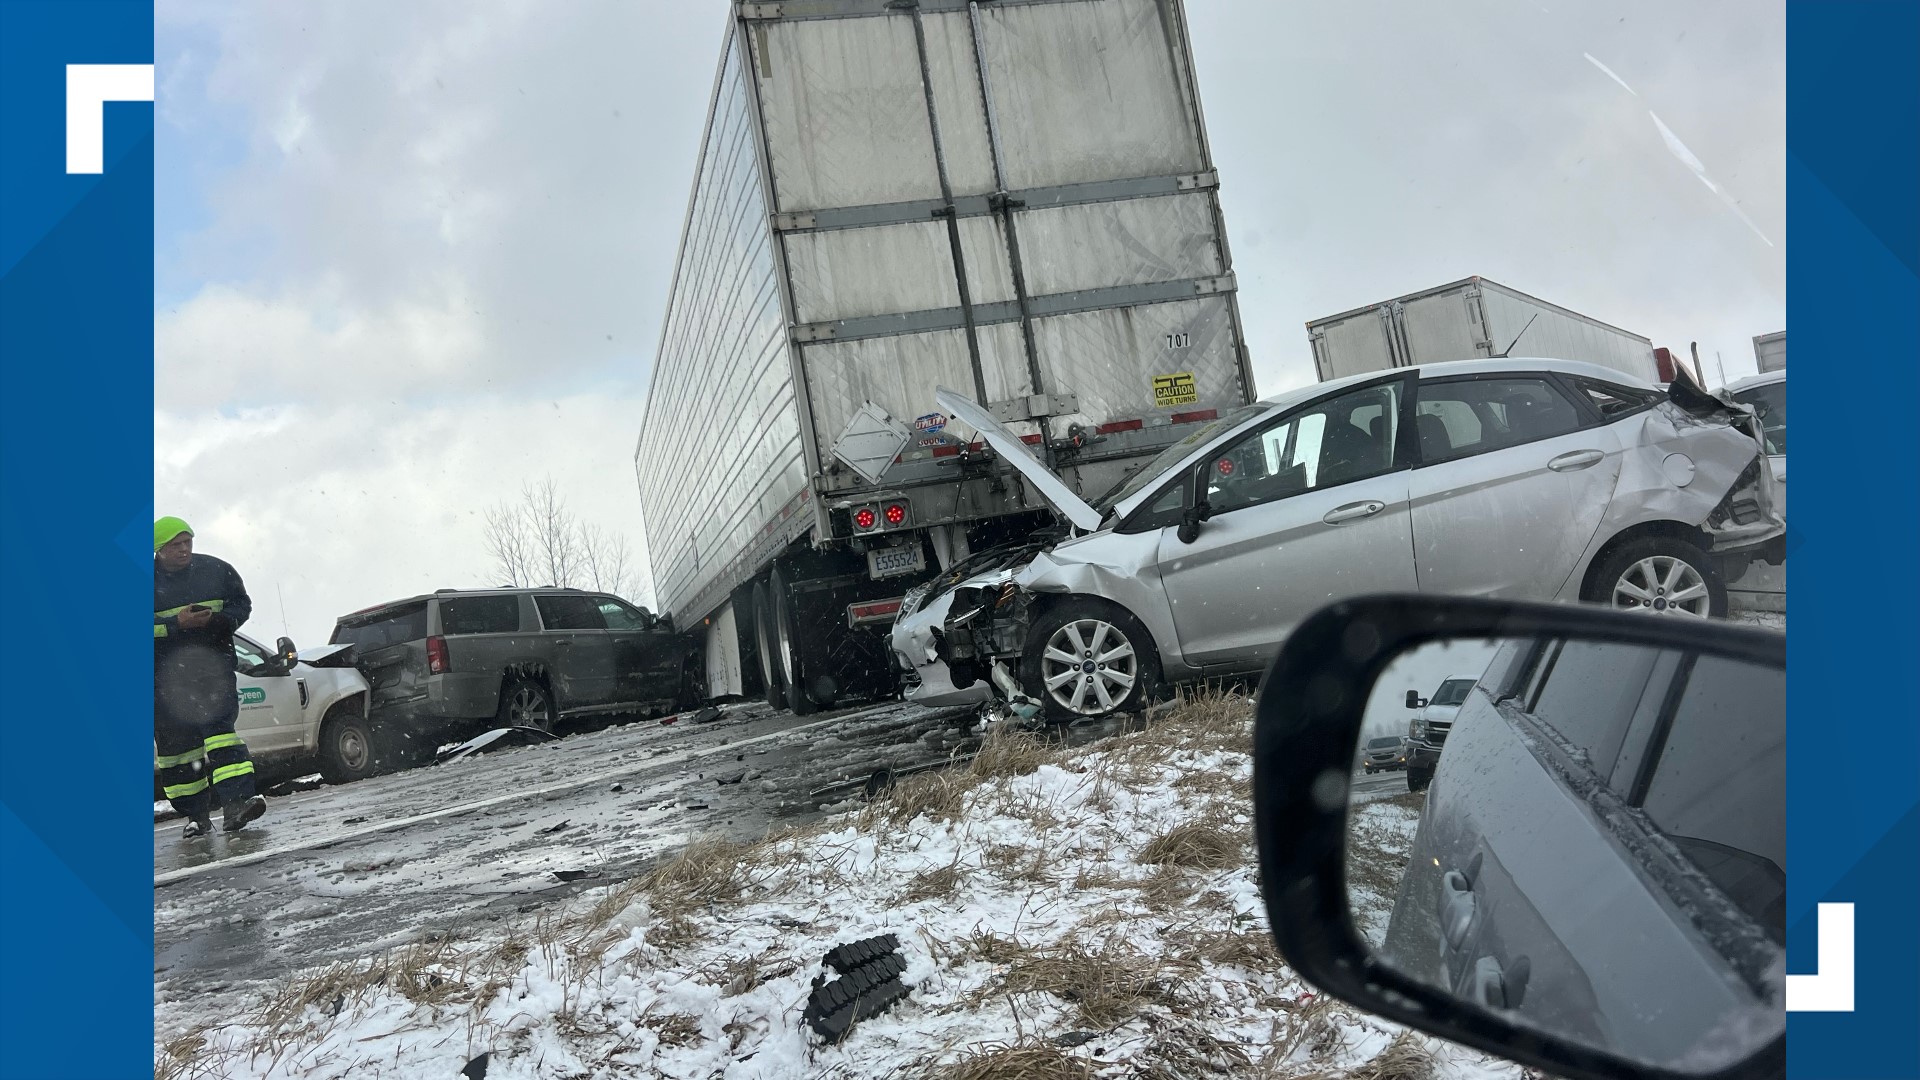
[
  {"x": 480, "y": 615},
  {"x": 246, "y": 655},
  {"x": 560, "y": 612},
  {"x": 1339, "y": 441},
  {"x": 620, "y": 616},
  {"x": 1614, "y": 400},
  {"x": 1458, "y": 418},
  {"x": 1587, "y": 692},
  {"x": 1771, "y": 402},
  {"x": 1716, "y": 785}
]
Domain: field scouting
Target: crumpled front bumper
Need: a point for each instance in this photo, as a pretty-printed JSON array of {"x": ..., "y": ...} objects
[{"x": 929, "y": 681}]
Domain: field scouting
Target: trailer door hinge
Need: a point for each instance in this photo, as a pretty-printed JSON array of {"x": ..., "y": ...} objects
[
  {"x": 1034, "y": 407},
  {"x": 759, "y": 11},
  {"x": 792, "y": 222},
  {"x": 1209, "y": 285},
  {"x": 1197, "y": 181},
  {"x": 814, "y": 332}
]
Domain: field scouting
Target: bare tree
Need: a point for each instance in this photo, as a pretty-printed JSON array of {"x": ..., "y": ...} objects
[
  {"x": 606, "y": 560},
  {"x": 508, "y": 544},
  {"x": 538, "y": 540}
]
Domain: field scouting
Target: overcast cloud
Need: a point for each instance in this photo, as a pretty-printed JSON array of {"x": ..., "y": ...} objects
[{"x": 410, "y": 256}]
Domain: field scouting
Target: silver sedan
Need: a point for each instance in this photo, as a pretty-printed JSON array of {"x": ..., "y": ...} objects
[{"x": 1518, "y": 479}]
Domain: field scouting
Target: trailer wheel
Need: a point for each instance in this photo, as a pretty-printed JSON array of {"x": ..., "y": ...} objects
[
  {"x": 790, "y": 648},
  {"x": 774, "y": 689}
]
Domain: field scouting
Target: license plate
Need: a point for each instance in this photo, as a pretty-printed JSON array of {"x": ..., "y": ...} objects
[{"x": 895, "y": 561}]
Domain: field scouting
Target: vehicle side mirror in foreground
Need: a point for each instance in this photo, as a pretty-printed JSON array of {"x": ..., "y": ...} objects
[
  {"x": 1594, "y": 882},
  {"x": 1415, "y": 701},
  {"x": 286, "y": 653}
]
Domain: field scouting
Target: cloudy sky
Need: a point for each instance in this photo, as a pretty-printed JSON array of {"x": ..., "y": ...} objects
[{"x": 411, "y": 256}]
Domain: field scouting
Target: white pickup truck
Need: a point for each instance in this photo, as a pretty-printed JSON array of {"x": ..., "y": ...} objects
[{"x": 301, "y": 711}]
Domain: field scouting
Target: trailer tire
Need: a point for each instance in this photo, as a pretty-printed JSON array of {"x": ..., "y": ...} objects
[
  {"x": 774, "y": 691},
  {"x": 790, "y": 656}
]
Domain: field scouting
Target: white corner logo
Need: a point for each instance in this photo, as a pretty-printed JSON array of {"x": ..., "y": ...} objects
[
  {"x": 1830, "y": 988},
  {"x": 89, "y": 88}
]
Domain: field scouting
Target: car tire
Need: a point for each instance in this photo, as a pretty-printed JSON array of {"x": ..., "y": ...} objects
[
  {"x": 348, "y": 749},
  {"x": 1082, "y": 618},
  {"x": 1418, "y": 779},
  {"x": 527, "y": 703},
  {"x": 790, "y": 659},
  {"x": 774, "y": 690},
  {"x": 1643, "y": 575},
  {"x": 1369, "y": 770}
]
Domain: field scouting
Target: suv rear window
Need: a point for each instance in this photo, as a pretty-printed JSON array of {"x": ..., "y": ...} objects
[
  {"x": 382, "y": 628},
  {"x": 480, "y": 615}
]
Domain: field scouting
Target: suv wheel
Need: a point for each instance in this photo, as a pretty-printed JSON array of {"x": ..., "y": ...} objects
[
  {"x": 346, "y": 746},
  {"x": 527, "y": 703}
]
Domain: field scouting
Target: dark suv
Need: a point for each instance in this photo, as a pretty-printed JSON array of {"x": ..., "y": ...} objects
[{"x": 444, "y": 665}]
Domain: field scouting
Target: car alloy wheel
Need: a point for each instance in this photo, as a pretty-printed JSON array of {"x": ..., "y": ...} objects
[
  {"x": 528, "y": 707},
  {"x": 1089, "y": 667},
  {"x": 1663, "y": 585}
]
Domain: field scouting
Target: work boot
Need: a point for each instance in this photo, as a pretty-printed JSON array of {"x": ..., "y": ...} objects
[
  {"x": 238, "y": 814},
  {"x": 198, "y": 827}
]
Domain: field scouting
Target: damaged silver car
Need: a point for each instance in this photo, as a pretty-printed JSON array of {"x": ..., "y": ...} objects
[{"x": 1516, "y": 479}]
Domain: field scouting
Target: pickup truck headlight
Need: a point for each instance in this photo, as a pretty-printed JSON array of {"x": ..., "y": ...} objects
[{"x": 1418, "y": 729}]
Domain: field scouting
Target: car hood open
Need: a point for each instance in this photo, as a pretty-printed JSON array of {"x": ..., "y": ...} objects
[{"x": 1008, "y": 445}]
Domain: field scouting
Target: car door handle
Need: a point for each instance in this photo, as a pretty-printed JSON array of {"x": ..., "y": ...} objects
[
  {"x": 1340, "y": 515},
  {"x": 1579, "y": 459},
  {"x": 1457, "y": 908}
]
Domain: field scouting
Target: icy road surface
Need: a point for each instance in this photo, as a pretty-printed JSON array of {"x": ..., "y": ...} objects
[{"x": 340, "y": 873}]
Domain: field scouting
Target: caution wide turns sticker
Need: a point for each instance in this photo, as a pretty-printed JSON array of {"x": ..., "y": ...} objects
[{"x": 1174, "y": 389}]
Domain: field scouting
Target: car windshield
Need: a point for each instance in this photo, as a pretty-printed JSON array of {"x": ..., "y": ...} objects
[
  {"x": 1384, "y": 743},
  {"x": 1157, "y": 466},
  {"x": 1452, "y": 692}
]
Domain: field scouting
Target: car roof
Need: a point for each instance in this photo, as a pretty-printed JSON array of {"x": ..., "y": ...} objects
[
  {"x": 1463, "y": 367},
  {"x": 1765, "y": 378},
  {"x": 441, "y": 594}
]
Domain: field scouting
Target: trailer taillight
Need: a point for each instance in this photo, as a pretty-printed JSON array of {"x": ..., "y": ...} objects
[
  {"x": 437, "y": 656},
  {"x": 864, "y": 518},
  {"x": 896, "y": 513}
]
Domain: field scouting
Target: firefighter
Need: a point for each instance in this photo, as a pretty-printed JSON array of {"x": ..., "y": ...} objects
[{"x": 198, "y": 602}]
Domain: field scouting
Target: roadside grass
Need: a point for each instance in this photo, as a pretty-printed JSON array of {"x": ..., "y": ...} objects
[{"x": 1119, "y": 859}]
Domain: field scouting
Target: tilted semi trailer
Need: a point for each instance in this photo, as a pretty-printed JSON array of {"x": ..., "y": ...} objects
[
  {"x": 1012, "y": 199},
  {"x": 1468, "y": 319}
]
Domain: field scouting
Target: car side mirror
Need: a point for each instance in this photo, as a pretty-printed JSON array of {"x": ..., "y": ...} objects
[
  {"x": 1625, "y": 925},
  {"x": 287, "y": 654}
]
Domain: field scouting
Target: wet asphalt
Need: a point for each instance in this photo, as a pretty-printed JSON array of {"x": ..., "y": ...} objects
[{"x": 343, "y": 873}]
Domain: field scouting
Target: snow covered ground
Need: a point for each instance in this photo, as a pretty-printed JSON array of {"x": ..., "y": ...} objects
[{"x": 1063, "y": 913}]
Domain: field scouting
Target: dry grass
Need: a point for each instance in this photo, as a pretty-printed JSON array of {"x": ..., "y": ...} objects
[
  {"x": 935, "y": 884},
  {"x": 1251, "y": 949},
  {"x": 939, "y": 796},
  {"x": 1196, "y": 845},
  {"x": 1108, "y": 985},
  {"x": 1026, "y": 1059},
  {"x": 1182, "y": 1049},
  {"x": 1006, "y": 752},
  {"x": 1406, "y": 1058}
]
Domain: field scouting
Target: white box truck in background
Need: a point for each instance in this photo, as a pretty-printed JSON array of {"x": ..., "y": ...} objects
[
  {"x": 1015, "y": 200},
  {"x": 1770, "y": 351},
  {"x": 1464, "y": 320}
]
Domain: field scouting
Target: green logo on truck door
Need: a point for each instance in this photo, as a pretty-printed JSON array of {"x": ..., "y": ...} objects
[
  {"x": 1175, "y": 389},
  {"x": 252, "y": 695}
]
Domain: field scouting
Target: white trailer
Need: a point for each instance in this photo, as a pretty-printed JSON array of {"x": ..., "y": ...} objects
[
  {"x": 1468, "y": 319},
  {"x": 1770, "y": 351},
  {"x": 1015, "y": 198}
]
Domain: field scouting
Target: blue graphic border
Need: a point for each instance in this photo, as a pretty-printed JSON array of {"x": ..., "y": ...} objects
[
  {"x": 76, "y": 453},
  {"x": 1853, "y": 799}
]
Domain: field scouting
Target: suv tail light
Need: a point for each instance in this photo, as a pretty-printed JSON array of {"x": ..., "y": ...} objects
[{"x": 437, "y": 656}]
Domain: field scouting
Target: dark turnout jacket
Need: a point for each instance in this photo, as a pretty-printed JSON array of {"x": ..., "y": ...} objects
[{"x": 193, "y": 670}]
